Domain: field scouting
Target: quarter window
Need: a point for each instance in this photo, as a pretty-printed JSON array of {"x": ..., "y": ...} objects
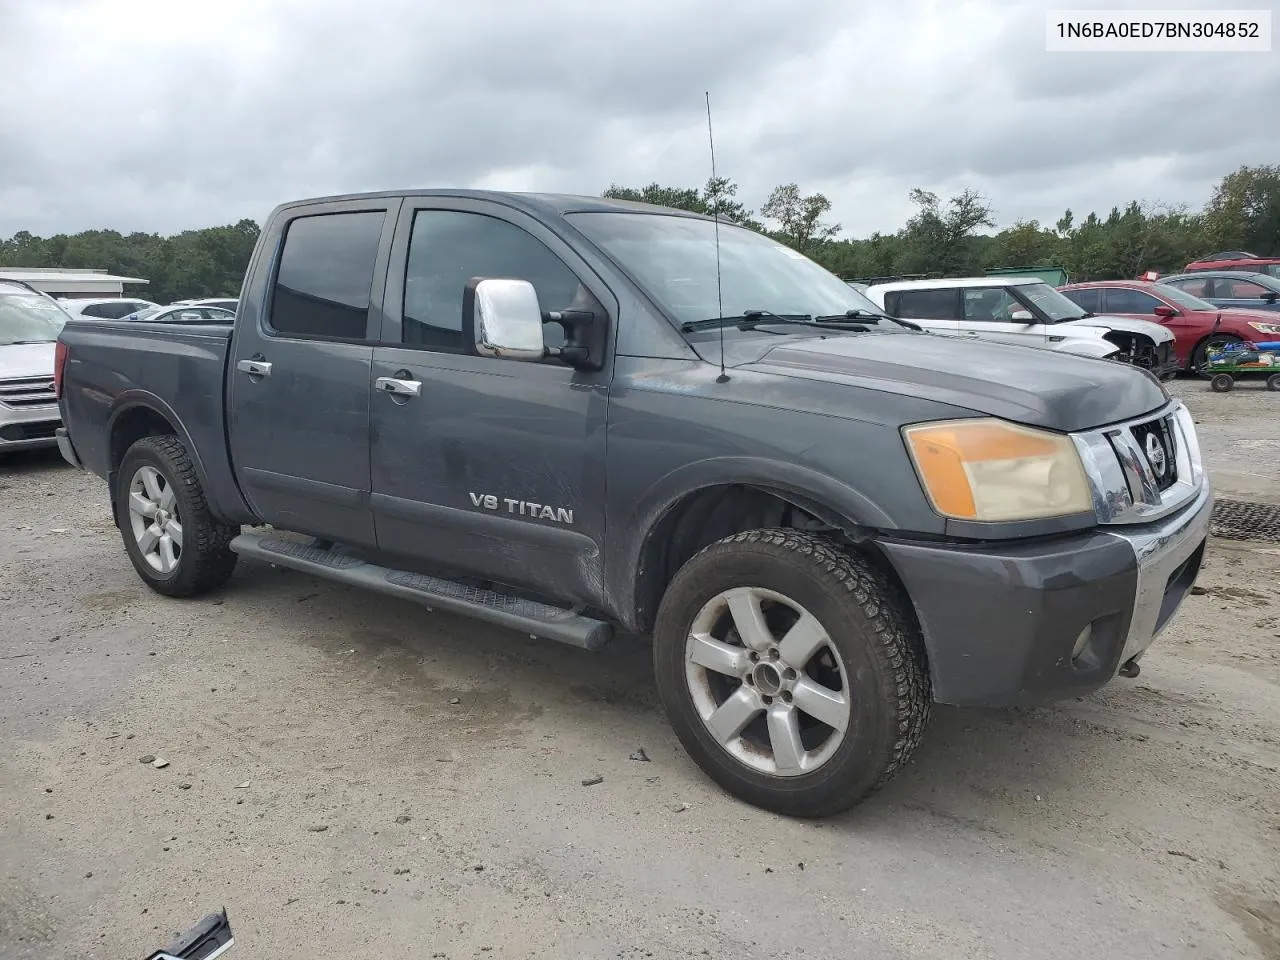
[
  {"x": 449, "y": 248},
  {"x": 323, "y": 285}
]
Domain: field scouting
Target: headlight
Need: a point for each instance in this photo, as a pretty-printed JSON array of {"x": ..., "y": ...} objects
[
  {"x": 1271, "y": 328},
  {"x": 990, "y": 470}
]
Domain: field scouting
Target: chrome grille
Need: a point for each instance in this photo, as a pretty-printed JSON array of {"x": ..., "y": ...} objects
[
  {"x": 27, "y": 392},
  {"x": 1155, "y": 440}
]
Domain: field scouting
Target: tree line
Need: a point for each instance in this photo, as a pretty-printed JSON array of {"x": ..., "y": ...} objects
[{"x": 949, "y": 237}]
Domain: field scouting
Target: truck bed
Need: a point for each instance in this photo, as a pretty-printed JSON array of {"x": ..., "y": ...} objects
[{"x": 114, "y": 366}]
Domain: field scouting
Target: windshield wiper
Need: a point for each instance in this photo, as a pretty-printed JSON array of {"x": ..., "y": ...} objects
[
  {"x": 857, "y": 313},
  {"x": 750, "y": 319}
]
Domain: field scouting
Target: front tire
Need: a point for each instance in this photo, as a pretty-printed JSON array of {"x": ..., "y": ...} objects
[
  {"x": 1222, "y": 383},
  {"x": 175, "y": 543},
  {"x": 791, "y": 670}
]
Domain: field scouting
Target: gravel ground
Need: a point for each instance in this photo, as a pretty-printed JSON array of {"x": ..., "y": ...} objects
[{"x": 354, "y": 777}]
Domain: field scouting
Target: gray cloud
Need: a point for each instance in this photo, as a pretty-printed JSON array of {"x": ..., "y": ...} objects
[{"x": 159, "y": 116}]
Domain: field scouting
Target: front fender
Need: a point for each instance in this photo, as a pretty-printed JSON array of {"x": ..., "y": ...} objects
[
  {"x": 827, "y": 498},
  {"x": 1101, "y": 349}
]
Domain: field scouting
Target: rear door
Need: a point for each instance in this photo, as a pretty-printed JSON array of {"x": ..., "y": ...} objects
[
  {"x": 937, "y": 309},
  {"x": 298, "y": 394},
  {"x": 487, "y": 467}
]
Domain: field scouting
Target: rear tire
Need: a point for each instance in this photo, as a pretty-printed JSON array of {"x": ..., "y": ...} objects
[
  {"x": 175, "y": 543},
  {"x": 761, "y": 714},
  {"x": 1222, "y": 383},
  {"x": 1273, "y": 382}
]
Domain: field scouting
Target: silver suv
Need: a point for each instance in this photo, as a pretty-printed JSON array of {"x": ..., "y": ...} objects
[{"x": 30, "y": 323}]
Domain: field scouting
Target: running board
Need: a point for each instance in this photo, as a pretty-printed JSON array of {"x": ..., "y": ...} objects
[{"x": 516, "y": 613}]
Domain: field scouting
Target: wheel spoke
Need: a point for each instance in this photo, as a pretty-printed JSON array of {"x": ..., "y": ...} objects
[
  {"x": 784, "y": 737},
  {"x": 823, "y": 704},
  {"x": 805, "y": 638},
  {"x": 174, "y": 529},
  {"x": 729, "y": 719},
  {"x": 141, "y": 505},
  {"x": 151, "y": 481},
  {"x": 748, "y": 618},
  {"x": 167, "y": 557},
  {"x": 148, "y": 540},
  {"x": 708, "y": 652},
  {"x": 166, "y": 497}
]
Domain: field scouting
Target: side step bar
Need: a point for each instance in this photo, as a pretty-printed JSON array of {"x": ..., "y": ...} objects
[{"x": 528, "y": 616}]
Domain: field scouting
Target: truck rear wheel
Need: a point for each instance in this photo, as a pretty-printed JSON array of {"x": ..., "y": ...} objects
[
  {"x": 176, "y": 544},
  {"x": 791, "y": 671}
]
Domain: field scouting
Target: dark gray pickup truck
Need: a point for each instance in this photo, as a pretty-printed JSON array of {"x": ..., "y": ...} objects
[{"x": 568, "y": 415}]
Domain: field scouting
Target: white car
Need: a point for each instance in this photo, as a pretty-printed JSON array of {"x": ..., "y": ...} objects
[
  {"x": 110, "y": 308},
  {"x": 183, "y": 313},
  {"x": 1026, "y": 311},
  {"x": 226, "y": 303}
]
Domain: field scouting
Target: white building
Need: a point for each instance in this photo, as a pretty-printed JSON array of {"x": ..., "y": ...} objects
[{"x": 70, "y": 282}]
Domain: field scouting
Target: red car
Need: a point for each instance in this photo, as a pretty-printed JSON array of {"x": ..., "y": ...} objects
[
  {"x": 1193, "y": 322},
  {"x": 1237, "y": 260}
]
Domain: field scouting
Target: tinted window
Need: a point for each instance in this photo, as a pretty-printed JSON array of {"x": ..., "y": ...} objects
[
  {"x": 1124, "y": 300},
  {"x": 98, "y": 310},
  {"x": 990, "y": 304},
  {"x": 939, "y": 304},
  {"x": 326, "y": 273},
  {"x": 1237, "y": 289},
  {"x": 448, "y": 249},
  {"x": 1090, "y": 300},
  {"x": 1198, "y": 287}
]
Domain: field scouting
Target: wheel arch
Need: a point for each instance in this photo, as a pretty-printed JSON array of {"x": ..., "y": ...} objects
[
  {"x": 707, "y": 502},
  {"x": 139, "y": 415}
]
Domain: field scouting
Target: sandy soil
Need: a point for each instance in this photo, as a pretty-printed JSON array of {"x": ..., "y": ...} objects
[{"x": 324, "y": 785}]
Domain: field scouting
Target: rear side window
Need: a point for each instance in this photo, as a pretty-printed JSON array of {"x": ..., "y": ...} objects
[
  {"x": 323, "y": 286},
  {"x": 1199, "y": 287},
  {"x": 103, "y": 310},
  {"x": 1090, "y": 300},
  {"x": 940, "y": 304},
  {"x": 1124, "y": 300}
]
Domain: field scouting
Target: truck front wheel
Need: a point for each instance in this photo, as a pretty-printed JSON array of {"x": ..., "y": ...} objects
[
  {"x": 791, "y": 671},
  {"x": 176, "y": 544}
]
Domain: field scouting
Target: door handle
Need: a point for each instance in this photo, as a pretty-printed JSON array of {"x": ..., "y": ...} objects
[
  {"x": 405, "y": 388},
  {"x": 254, "y": 368}
]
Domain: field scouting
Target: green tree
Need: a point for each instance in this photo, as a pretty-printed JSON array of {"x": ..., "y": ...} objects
[
  {"x": 720, "y": 190},
  {"x": 1244, "y": 212},
  {"x": 799, "y": 217}
]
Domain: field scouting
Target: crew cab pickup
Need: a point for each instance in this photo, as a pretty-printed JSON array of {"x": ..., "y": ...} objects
[{"x": 575, "y": 417}]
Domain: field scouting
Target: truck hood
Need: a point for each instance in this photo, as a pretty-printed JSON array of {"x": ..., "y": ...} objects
[
  {"x": 1157, "y": 333},
  {"x": 19, "y": 360},
  {"x": 1042, "y": 388}
]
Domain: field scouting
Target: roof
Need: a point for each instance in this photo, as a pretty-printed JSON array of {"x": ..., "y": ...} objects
[
  {"x": 69, "y": 280},
  {"x": 956, "y": 282},
  {"x": 1265, "y": 279},
  {"x": 1139, "y": 284},
  {"x": 553, "y": 204}
]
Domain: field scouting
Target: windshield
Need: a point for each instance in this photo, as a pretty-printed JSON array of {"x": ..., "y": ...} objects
[
  {"x": 1050, "y": 302},
  {"x": 26, "y": 317},
  {"x": 1184, "y": 299},
  {"x": 674, "y": 260}
]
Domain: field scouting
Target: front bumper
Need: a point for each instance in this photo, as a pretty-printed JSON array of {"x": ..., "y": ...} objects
[
  {"x": 27, "y": 427},
  {"x": 1001, "y": 623}
]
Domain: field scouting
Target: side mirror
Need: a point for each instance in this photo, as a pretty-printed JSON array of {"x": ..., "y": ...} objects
[
  {"x": 1164, "y": 310},
  {"x": 1270, "y": 296},
  {"x": 1022, "y": 316},
  {"x": 508, "y": 321}
]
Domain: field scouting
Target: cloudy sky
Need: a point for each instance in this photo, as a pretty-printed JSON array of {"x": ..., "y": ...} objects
[{"x": 160, "y": 115}]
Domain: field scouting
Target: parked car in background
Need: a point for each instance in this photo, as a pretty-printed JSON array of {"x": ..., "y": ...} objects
[
  {"x": 1237, "y": 260},
  {"x": 1195, "y": 324},
  {"x": 111, "y": 308},
  {"x": 226, "y": 303},
  {"x": 1025, "y": 311},
  {"x": 1229, "y": 288},
  {"x": 30, "y": 322},
  {"x": 184, "y": 314}
]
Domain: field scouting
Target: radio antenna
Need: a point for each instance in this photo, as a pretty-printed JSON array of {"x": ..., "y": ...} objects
[{"x": 715, "y": 212}]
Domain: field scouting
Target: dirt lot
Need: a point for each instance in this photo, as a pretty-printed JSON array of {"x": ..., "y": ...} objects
[{"x": 353, "y": 777}]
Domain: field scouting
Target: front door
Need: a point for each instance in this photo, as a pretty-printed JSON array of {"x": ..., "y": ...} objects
[
  {"x": 994, "y": 313},
  {"x": 298, "y": 396},
  {"x": 486, "y": 467}
]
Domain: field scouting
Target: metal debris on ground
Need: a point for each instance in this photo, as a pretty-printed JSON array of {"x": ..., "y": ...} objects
[
  {"x": 640, "y": 755},
  {"x": 1243, "y": 520},
  {"x": 592, "y": 781}
]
